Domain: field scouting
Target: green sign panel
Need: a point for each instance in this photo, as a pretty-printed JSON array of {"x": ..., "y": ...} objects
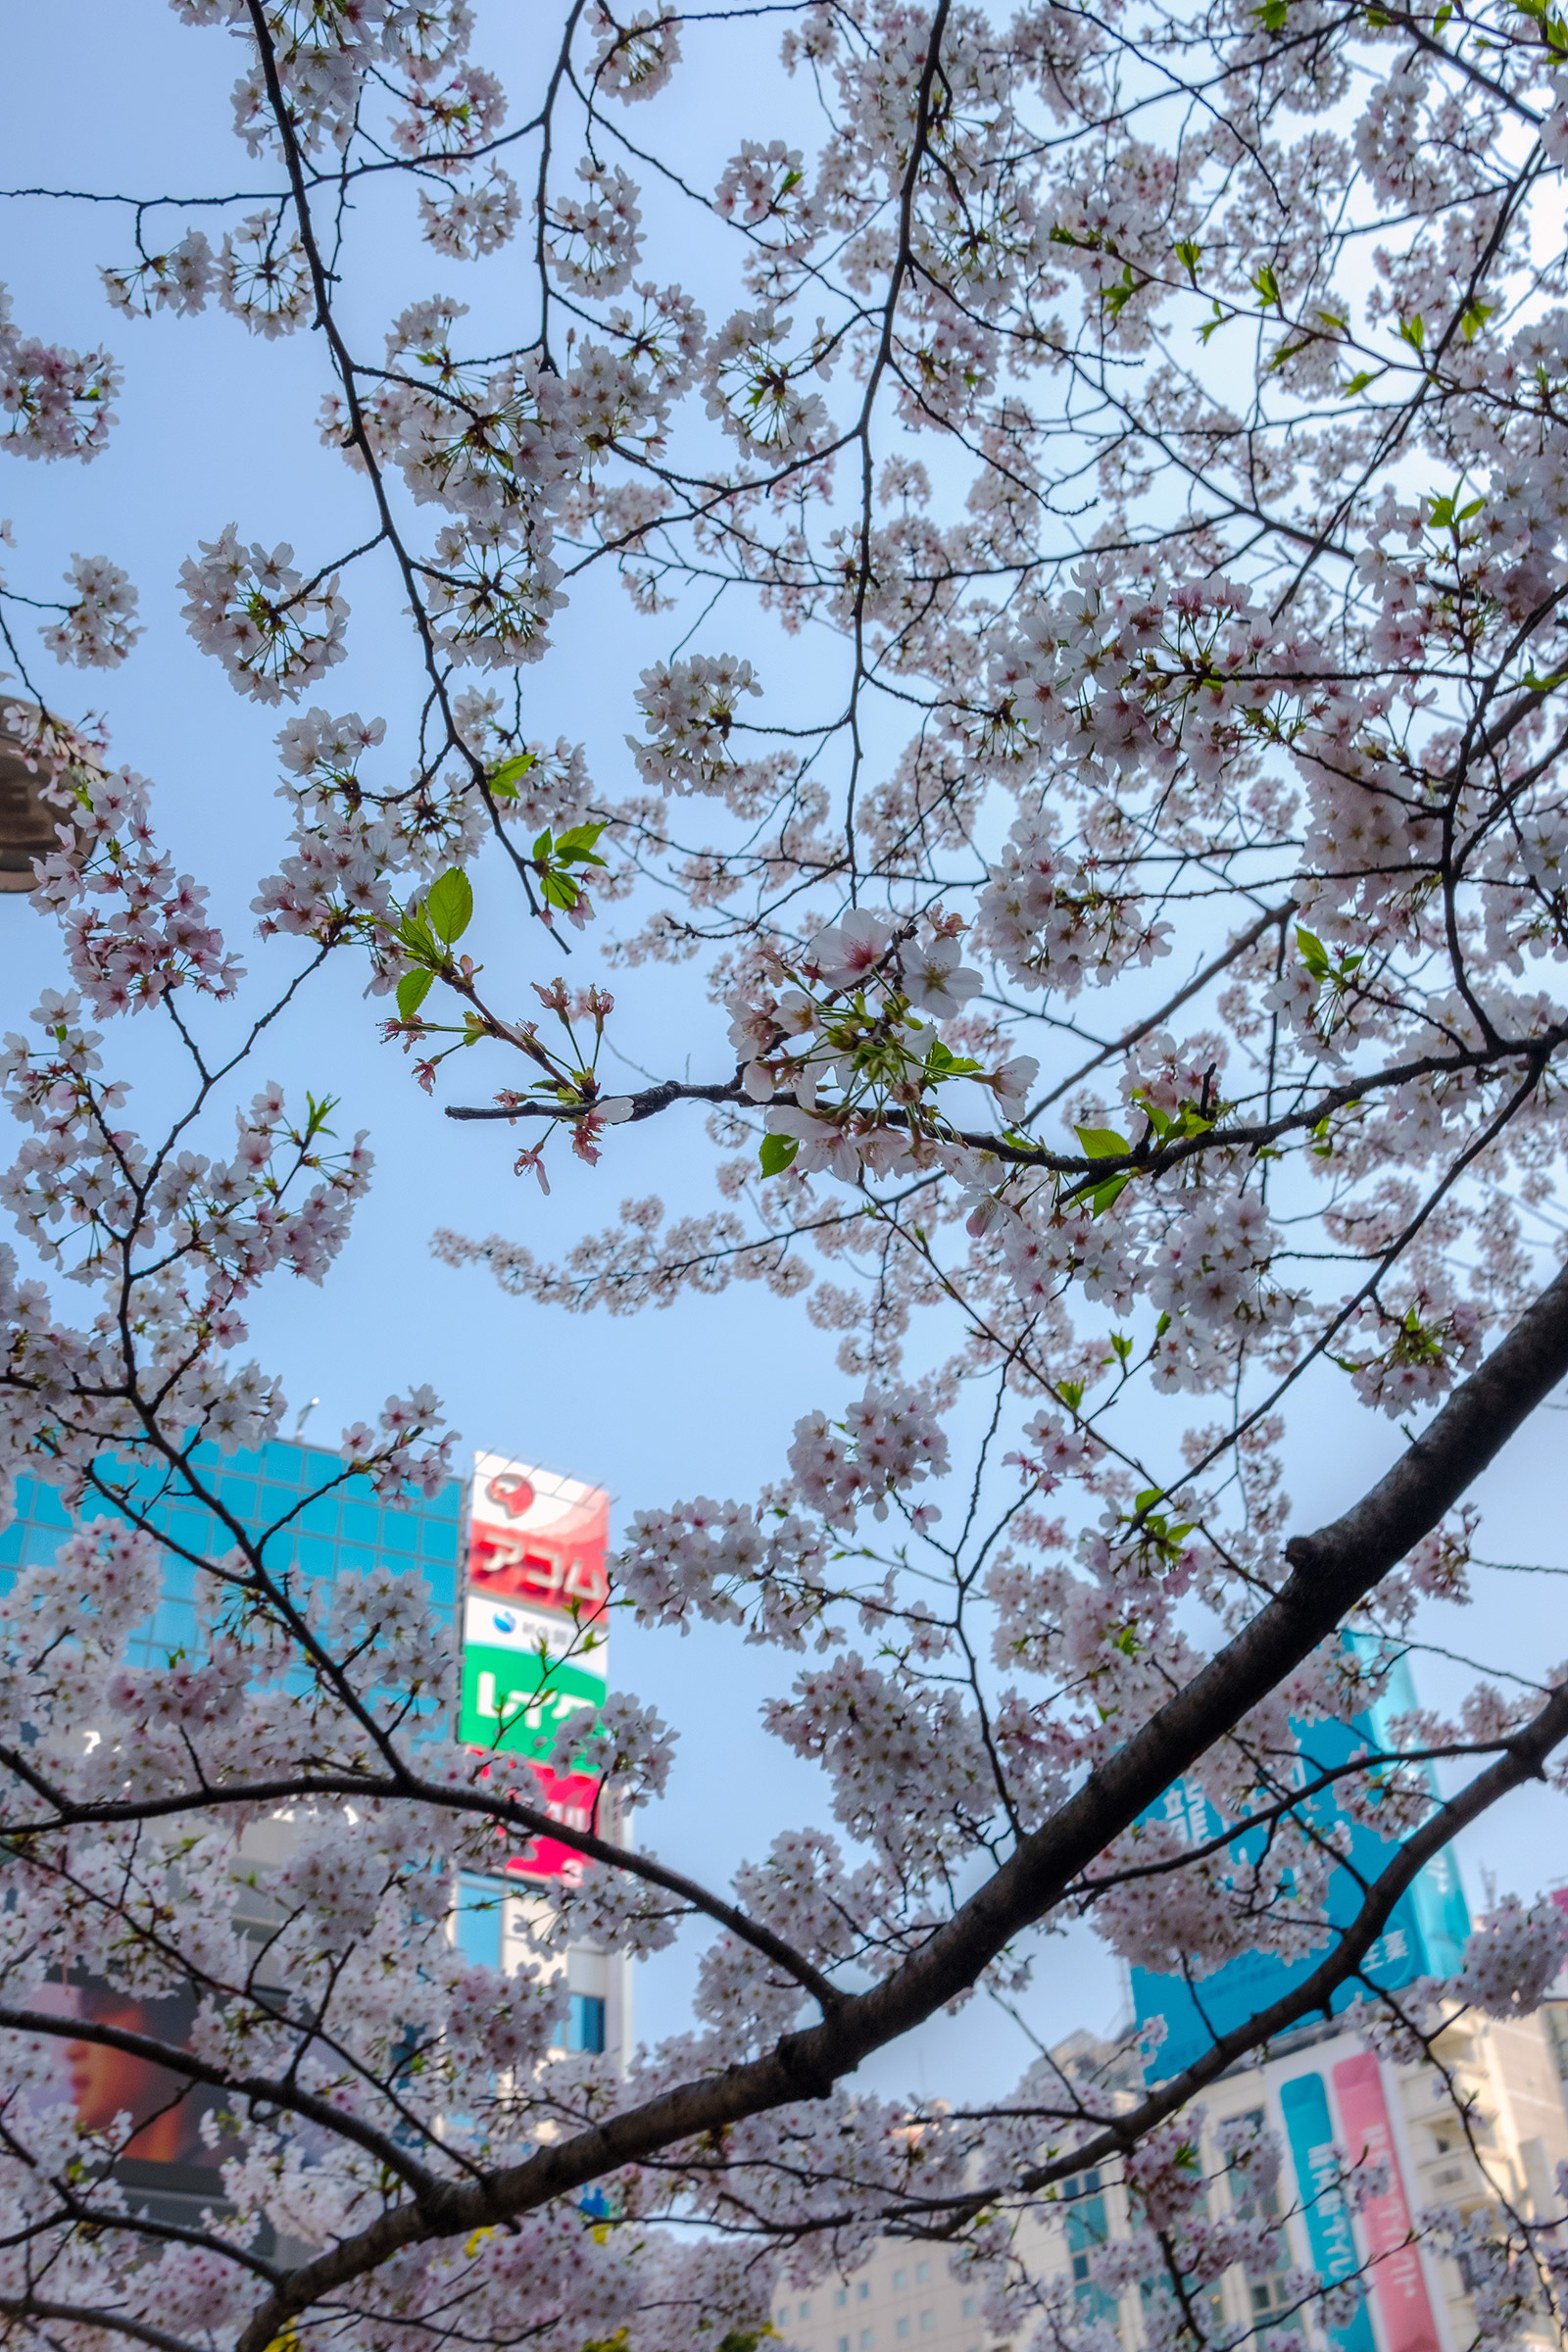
[{"x": 517, "y": 1700}]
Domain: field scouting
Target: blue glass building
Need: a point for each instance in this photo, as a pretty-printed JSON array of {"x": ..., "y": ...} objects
[
  {"x": 333, "y": 1524},
  {"x": 1426, "y": 1930},
  {"x": 344, "y": 1529}
]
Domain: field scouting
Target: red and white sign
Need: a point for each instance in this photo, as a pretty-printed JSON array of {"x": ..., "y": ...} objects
[
  {"x": 536, "y": 1537},
  {"x": 1404, "y": 2304},
  {"x": 570, "y": 1798},
  {"x": 536, "y": 1562}
]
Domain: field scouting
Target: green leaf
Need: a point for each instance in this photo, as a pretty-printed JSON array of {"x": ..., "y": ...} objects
[
  {"x": 415, "y": 934},
  {"x": 413, "y": 989},
  {"x": 941, "y": 1062},
  {"x": 1192, "y": 1122},
  {"x": 1266, "y": 284},
  {"x": 559, "y": 890},
  {"x": 449, "y": 907},
  {"x": 1141, "y": 1503},
  {"x": 1273, "y": 15},
  {"x": 1116, "y": 297},
  {"x": 1211, "y": 326},
  {"x": 1475, "y": 318},
  {"x": 1314, "y": 953},
  {"x": 776, "y": 1154},
  {"x": 578, "y": 846},
  {"x": 510, "y": 774},
  {"x": 1101, "y": 1199},
  {"x": 1360, "y": 382},
  {"x": 1101, "y": 1143},
  {"x": 1071, "y": 1392},
  {"x": 1413, "y": 331},
  {"x": 1190, "y": 255}
]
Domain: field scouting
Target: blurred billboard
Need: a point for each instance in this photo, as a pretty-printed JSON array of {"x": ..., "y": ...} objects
[{"x": 535, "y": 1621}]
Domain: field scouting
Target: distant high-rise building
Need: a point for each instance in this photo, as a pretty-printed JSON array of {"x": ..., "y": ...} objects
[
  {"x": 535, "y": 1653},
  {"x": 518, "y": 1565}
]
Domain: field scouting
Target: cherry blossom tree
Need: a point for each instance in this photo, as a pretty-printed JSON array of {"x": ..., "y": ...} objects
[{"x": 1137, "y": 957}]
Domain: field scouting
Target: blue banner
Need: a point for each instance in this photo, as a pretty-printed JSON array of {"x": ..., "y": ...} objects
[
  {"x": 1426, "y": 1930},
  {"x": 1305, "y": 2106}
]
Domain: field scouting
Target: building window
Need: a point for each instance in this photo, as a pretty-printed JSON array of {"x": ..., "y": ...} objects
[
  {"x": 1555, "y": 2017},
  {"x": 866, "y": 2340},
  {"x": 585, "y": 2021},
  {"x": 862, "y": 2293},
  {"x": 1271, "y": 2292},
  {"x": 1087, "y": 2231},
  {"x": 901, "y": 2327},
  {"x": 928, "y": 2320},
  {"x": 967, "y": 2306},
  {"x": 922, "y": 2273},
  {"x": 803, "y": 2310},
  {"x": 841, "y": 2295},
  {"x": 901, "y": 2280},
  {"x": 476, "y": 1926},
  {"x": 844, "y": 2345}
]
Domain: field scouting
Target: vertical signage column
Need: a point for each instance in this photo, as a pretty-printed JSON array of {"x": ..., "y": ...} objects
[
  {"x": 534, "y": 1648},
  {"x": 1397, "y": 2275},
  {"x": 1305, "y": 2104}
]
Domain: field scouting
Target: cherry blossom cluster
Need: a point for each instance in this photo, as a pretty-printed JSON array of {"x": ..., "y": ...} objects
[
  {"x": 886, "y": 1442},
  {"x": 273, "y": 631},
  {"x": 133, "y": 928},
  {"x": 54, "y": 402},
  {"x": 97, "y": 628},
  {"x": 1513, "y": 1958}
]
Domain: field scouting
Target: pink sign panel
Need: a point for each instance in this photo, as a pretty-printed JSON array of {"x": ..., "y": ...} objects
[{"x": 1404, "y": 2305}]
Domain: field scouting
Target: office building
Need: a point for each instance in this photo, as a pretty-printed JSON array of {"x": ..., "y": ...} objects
[
  {"x": 1323, "y": 2092},
  {"x": 516, "y": 1558}
]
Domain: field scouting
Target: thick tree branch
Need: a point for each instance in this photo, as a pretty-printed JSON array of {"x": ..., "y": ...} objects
[{"x": 1331, "y": 1570}]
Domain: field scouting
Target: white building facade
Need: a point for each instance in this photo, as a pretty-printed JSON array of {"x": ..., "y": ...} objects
[{"x": 1327, "y": 2098}]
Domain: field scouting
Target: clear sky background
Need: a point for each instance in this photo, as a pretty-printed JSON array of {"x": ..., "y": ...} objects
[{"x": 115, "y": 96}]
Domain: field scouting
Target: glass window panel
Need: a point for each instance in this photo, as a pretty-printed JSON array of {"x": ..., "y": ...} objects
[
  {"x": 316, "y": 1557},
  {"x": 586, "y": 2025},
  {"x": 479, "y": 1922}
]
